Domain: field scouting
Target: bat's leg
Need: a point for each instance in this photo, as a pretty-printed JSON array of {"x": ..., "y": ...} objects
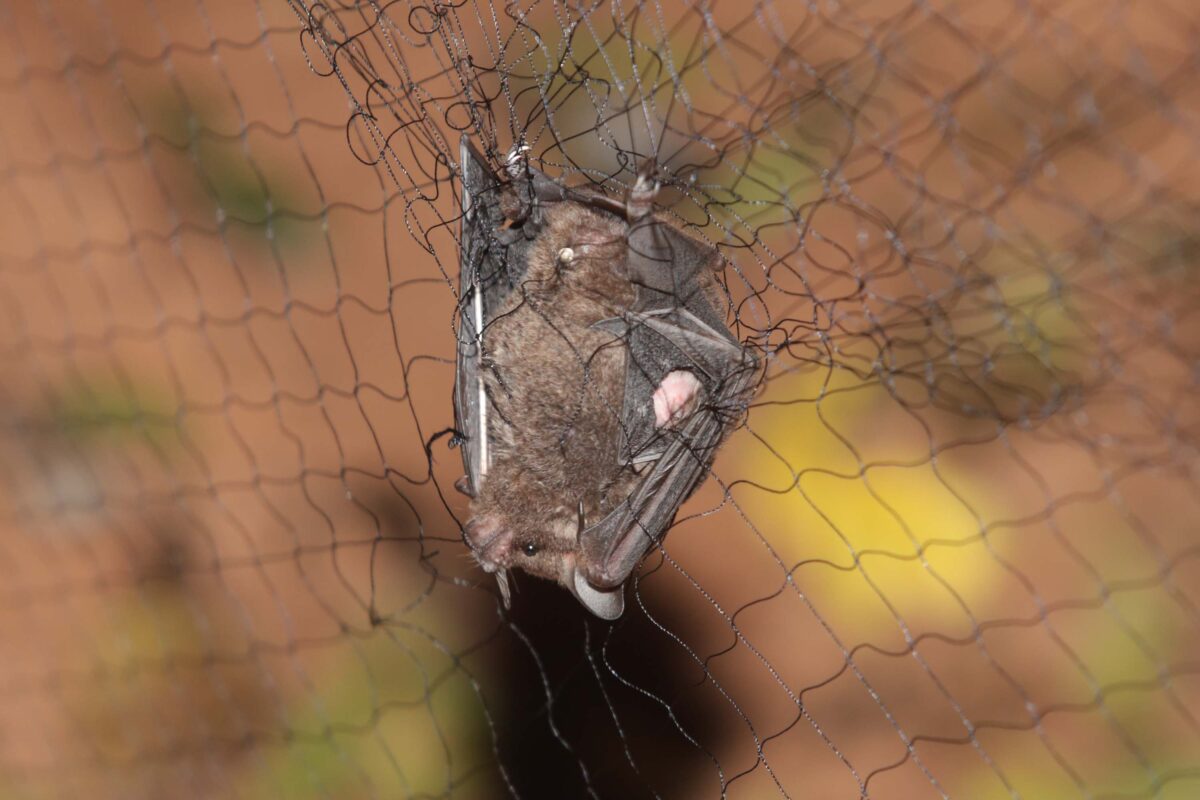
[
  {"x": 675, "y": 397},
  {"x": 463, "y": 485}
]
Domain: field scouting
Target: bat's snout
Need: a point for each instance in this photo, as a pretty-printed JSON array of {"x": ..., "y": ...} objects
[{"x": 489, "y": 541}]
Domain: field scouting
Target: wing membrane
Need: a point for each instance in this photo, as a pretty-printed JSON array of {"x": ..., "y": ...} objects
[{"x": 611, "y": 549}]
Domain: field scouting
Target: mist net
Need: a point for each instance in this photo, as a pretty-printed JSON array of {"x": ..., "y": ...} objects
[{"x": 949, "y": 551}]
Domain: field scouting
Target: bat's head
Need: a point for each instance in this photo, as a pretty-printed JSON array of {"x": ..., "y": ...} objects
[
  {"x": 581, "y": 251},
  {"x": 548, "y": 549}
]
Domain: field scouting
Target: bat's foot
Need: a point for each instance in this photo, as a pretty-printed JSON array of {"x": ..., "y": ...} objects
[
  {"x": 639, "y": 202},
  {"x": 514, "y": 162},
  {"x": 675, "y": 397}
]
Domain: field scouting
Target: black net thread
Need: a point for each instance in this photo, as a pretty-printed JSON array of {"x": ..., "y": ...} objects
[{"x": 949, "y": 553}]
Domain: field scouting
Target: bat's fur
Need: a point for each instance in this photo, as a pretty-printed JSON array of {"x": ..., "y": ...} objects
[{"x": 556, "y": 385}]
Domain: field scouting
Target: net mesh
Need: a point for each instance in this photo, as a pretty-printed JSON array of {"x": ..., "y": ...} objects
[{"x": 951, "y": 551}]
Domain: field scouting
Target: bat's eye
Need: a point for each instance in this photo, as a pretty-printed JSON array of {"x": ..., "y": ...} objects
[
  {"x": 566, "y": 256},
  {"x": 529, "y": 549}
]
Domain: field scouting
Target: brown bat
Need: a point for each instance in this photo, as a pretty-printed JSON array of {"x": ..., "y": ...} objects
[{"x": 595, "y": 376}]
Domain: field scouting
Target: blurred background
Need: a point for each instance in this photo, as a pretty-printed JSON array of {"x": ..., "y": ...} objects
[{"x": 951, "y": 552}]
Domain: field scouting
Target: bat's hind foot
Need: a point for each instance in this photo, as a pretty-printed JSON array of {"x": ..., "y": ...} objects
[
  {"x": 675, "y": 397},
  {"x": 514, "y": 161},
  {"x": 639, "y": 203}
]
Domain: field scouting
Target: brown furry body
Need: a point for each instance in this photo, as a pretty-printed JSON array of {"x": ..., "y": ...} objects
[{"x": 557, "y": 388}]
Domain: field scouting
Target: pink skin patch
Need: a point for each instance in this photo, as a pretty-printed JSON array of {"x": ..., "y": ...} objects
[{"x": 673, "y": 397}]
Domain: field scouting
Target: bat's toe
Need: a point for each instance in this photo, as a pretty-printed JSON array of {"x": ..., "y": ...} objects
[
  {"x": 640, "y": 201},
  {"x": 514, "y": 161}
]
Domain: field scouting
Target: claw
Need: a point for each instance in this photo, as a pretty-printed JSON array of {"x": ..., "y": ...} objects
[
  {"x": 463, "y": 485},
  {"x": 515, "y": 158},
  {"x": 640, "y": 201}
]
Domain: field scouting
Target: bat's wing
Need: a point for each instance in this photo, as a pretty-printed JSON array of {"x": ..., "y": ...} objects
[
  {"x": 669, "y": 271},
  {"x": 488, "y": 269},
  {"x": 672, "y": 326},
  {"x": 492, "y": 261},
  {"x": 611, "y": 549}
]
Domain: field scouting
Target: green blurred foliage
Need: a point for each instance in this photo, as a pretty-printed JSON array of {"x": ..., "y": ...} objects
[
  {"x": 887, "y": 532},
  {"x": 392, "y": 709},
  {"x": 103, "y": 411},
  {"x": 236, "y": 179}
]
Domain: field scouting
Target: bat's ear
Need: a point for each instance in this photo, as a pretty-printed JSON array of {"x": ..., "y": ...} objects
[{"x": 606, "y": 604}]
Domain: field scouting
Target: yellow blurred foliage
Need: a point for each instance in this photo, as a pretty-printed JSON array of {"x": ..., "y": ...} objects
[{"x": 881, "y": 542}]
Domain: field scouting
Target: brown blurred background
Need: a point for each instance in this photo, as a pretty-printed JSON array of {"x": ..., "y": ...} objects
[{"x": 952, "y": 552}]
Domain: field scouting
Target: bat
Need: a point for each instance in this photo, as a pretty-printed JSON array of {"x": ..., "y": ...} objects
[{"x": 595, "y": 375}]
